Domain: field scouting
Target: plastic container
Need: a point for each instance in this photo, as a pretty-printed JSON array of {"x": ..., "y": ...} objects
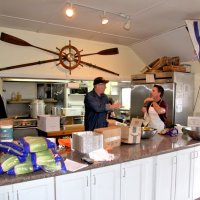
[
  {"x": 37, "y": 107},
  {"x": 6, "y": 133}
]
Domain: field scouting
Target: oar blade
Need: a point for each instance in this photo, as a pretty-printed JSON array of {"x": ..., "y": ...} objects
[
  {"x": 13, "y": 40},
  {"x": 111, "y": 51}
]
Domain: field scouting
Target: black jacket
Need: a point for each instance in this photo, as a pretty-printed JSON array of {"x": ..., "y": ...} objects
[
  {"x": 95, "y": 111},
  {"x": 2, "y": 109}
]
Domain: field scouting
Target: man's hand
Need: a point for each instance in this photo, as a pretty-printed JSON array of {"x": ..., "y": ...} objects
[
  {"x": 148, "y": 99},
  {"x": 116, "y": 105}
]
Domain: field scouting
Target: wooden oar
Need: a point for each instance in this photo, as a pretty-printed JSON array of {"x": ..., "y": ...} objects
[
  {"x": 14, "y": 40},
  {"x": 17, "y": 41},
  {"x": 52, "y": 60},
  {"x": 99, "y": 68},
  {"x": 111, "y": 51},
  {"x": 28, "y": 64}
]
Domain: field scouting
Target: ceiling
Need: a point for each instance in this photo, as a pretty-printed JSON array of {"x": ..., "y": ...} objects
[{"x": 149, "y": 18}]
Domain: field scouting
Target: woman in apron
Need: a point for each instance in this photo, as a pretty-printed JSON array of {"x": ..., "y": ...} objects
[{"x": 155, "y": 108}]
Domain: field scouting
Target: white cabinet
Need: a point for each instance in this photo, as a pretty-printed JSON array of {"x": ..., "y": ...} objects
[
  {"x": 75, "y": 186},
  {"x": 196, "y": 174},
  {"x": 35, "y": 190},
  {"x": 137, "y": 179},
  {"x": 178, "y": 175},
  {"x": 102, "y": 183},
  {"x": 165, "y": 178},
  {"x": 105, "y": 183},
  {"x": 184, "y": 171},
  {"x": 6, "y": 192},
  {"x": 38, "y": 189}
]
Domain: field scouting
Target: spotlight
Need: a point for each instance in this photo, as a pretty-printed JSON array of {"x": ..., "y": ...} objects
[
  {"x": 127, "y": 25},
  {"x": 69, "y": 11},
  {"x": 104, "y": 19}
]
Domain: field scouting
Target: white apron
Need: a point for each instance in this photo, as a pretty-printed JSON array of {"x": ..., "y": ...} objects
[{"x": 155, "y": 121}]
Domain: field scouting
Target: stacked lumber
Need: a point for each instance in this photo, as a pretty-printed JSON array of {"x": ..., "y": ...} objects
[{"x": 165, "y": 64}]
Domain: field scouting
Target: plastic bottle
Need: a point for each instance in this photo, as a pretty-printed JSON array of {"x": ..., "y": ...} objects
[{"x": 13, "y": 96}]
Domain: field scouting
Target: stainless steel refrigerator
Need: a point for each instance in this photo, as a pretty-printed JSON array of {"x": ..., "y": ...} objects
[{"x": 179, "y": 92}]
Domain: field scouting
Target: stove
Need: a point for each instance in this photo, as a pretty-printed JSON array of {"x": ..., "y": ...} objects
[{"x": 24, "y": 123}]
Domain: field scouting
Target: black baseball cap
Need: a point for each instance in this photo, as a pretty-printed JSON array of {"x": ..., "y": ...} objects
[{"x": 100, "y": 80}]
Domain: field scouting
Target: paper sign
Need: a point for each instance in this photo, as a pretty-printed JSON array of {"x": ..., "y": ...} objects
[
  {"x": 150, "y": 78},
  {"x": 193, "y": 121},
  {"x": 74, "y": 166}
]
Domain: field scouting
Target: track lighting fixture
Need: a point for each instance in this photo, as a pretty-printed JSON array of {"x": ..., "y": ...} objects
[
  {"x": 127, "y": 25},
  {"x": 69, "y": 11},
  {"x": 104, "y": 19}
]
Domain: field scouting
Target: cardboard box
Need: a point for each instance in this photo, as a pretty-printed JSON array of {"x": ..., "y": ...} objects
[
  {"x": 111, "y": 136},
  {"x": 48, "y": 123},
  {"x": 86, "y": 141},
  {"x": 132, "y": 134}
]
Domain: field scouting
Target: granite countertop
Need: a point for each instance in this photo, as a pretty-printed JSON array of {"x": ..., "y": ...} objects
[{"x": 157, "y": 145}]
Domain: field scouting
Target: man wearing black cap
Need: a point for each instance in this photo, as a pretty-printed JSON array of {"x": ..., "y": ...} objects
[{"x": 97, "y": 106}]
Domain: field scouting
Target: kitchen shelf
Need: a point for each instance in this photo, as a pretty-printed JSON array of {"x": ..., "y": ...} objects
[
  {"x": 76, "y": 94},
  {"x": 9, "y": 101},
  {"x": 50, "y": 101}
]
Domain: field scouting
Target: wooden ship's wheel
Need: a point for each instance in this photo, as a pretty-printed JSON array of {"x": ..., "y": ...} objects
[{"x": 69, "y": 57}]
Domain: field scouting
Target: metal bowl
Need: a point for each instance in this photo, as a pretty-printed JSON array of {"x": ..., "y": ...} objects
[
  {"x": 194, "y": 133},
  {"x": 148, "y": 132}
]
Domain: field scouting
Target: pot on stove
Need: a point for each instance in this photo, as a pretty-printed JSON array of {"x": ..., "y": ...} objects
[{"x": 37, "y": 107}]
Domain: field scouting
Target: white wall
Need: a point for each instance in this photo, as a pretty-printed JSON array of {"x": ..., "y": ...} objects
[
  {"x": 196, "y": 72},
  {"x": 125, "y": 63},
  {"x": 173, "y": 43}
]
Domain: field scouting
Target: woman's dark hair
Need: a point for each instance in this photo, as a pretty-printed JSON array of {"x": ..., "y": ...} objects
[
  {"x": 110, "y": 100},
  {"x": 160, "y": 90}
]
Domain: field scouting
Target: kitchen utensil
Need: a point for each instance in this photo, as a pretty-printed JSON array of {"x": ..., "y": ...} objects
[
  {"x": 148, "y": 132},
  {"x": 194, "y": 132}
]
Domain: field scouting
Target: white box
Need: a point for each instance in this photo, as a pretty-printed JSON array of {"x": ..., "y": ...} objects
[
  {"x": 132, "y": 134},
  {"x": 48, "y": 123},
  {"x": 86, "y": 141},
  {"x": 71, "y": 111}
]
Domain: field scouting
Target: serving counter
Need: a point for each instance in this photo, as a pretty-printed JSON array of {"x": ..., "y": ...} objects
[
  {"x": 163, "y": 154},
  {"x": 159, "y": 144}
]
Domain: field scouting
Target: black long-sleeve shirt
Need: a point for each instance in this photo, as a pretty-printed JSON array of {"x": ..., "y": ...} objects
[{"x": 95, "y": 111}]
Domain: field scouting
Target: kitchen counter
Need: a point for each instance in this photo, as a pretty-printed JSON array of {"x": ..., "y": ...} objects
[
  {"x": 157, "y": 145},
  {"x": 69, "y": 129}
]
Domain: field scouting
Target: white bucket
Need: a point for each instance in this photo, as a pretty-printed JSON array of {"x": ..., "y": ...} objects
[
  {"x": 6, "y": 133},
  {"x": 37, "y": 108}
]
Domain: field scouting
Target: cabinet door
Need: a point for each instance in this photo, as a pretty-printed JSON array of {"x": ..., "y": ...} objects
[
  {"x": 6, "y": 192},
  {"x": 165, "y": 176},
  {"x": 105, "y": 183},
  {"x": 35, "y": 190},
  {"x": 73, "y": 186},
  {"x": 184, "y": 174},
  {"x": 137, "y": 179},
  {"x": 196, "y": 175}
]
